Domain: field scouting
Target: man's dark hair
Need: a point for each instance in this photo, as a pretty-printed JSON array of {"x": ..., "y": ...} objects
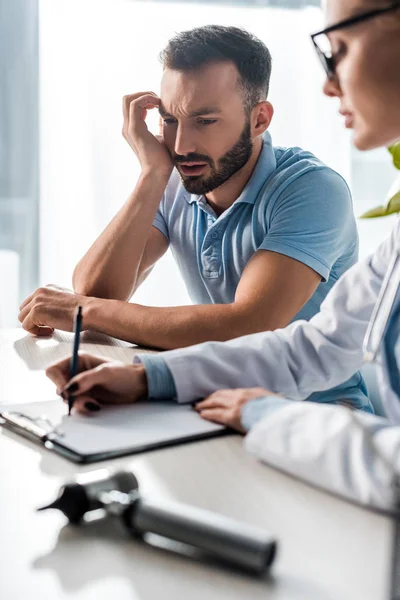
[{"x": 196, "y": 48}]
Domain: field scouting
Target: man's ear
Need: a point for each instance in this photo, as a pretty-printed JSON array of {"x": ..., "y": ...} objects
[{"x": 262, "y": 115}]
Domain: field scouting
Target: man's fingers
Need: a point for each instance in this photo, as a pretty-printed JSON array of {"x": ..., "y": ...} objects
[
  {"x": 26, "y": 317},
  {"x": 127, "y": 100},
  {"x": 33, "y": 323},
  {"x": 30, "y": 326},
  {"x": 138, "y": 107},
  {"x": 41, "y": 293},
  {"x": 32, "y": 329},
  {"x": 44, "y": 331},
  {"x": 26, "y": 301},
  {"x": 24, "y": 312}
]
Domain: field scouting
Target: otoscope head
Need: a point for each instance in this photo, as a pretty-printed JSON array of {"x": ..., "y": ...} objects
[
  {"x": 82, "y": 495},
  {"x": 72, "y": 501}
]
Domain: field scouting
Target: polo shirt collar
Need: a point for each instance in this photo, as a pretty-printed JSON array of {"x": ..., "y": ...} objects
[{"x": 265, "y": 166}]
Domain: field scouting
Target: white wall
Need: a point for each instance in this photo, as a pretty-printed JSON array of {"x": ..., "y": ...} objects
[{"x": 94, "y": 52}]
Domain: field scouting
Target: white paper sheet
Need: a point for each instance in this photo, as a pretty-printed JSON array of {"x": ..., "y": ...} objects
[{"x": 115, "y": 429}]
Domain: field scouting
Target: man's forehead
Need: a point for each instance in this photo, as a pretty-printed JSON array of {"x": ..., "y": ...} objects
[
  {"x": 209, "y": 87},
  {"x": 193, "y": 111}
]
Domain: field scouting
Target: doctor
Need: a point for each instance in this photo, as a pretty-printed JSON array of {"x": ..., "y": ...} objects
[{"x": 350, "y": 453}]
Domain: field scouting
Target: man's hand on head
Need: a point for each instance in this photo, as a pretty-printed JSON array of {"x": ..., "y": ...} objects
[
  {"x": 150, "y": 150},
  {"x": 99, "y": 382},
  {"x": 50, "y": 308}
]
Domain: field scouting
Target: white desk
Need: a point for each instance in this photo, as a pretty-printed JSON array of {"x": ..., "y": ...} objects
[{"x": 329, "y": 550}]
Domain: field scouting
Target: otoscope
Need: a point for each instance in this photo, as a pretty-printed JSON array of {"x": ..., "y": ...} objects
[{"x": 248, "y": 547}]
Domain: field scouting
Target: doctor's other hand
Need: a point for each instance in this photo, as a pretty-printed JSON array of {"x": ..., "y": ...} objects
[
  {"x": 224, "y": 406},
  {"x": 50, "y": 308},
  {"x": 99, "y": 381},
  {"x": 151, "y": 150}
]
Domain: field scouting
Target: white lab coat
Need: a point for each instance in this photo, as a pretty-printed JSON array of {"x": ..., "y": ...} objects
[{"x": 349, "y": 453}]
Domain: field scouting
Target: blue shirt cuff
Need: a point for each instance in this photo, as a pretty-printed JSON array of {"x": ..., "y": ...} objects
[
  {"x": 160, "y": 382},
  {"x": 256, "y": 409}
]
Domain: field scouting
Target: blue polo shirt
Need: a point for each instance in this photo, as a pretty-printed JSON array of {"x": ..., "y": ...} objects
[{"x": 292, "y": 204}]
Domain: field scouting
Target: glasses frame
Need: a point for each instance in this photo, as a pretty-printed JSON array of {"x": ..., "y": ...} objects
[{"x": 328, "y": 62}]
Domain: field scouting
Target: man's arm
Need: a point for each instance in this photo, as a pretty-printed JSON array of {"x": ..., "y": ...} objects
[
  {"x": 124, "y": 253},
  {"x": 296, "y": 361},
  {"x": 272, "y": 290},
  {"x": 310, "y": 228}
]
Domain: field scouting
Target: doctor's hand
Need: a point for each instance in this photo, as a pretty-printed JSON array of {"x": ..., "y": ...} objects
[
  {"x": 150, "y": 150},
  {"x": 50, "y": 308},
  {"x": 99, "y": 381},
  {"x": 225, "y": 406}
]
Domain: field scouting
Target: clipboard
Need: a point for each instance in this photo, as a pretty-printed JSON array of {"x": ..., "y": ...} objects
[{"x": 112, "y": 432}]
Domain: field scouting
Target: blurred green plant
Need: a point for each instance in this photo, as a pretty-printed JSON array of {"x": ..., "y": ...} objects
[{"x": 393, "y": 204}]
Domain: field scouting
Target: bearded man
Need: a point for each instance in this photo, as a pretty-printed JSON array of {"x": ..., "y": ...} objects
[{"x": 260, "y": 233}]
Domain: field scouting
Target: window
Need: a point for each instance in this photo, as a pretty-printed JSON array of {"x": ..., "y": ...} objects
[
  {"x": 19, "y": 154},
  {"x": 54, "y": 202}
]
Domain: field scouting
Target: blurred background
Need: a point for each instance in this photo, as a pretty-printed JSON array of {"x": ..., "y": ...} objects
[{"x": 65, "y": 168}]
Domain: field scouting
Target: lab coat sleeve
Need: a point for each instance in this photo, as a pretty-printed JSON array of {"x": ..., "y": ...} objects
[
  {"x": 349, "y": 453},
  {"x": 296, "y": 361}
]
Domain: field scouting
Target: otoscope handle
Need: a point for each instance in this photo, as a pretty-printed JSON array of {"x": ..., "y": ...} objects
[{"x": 249, "y": 547}]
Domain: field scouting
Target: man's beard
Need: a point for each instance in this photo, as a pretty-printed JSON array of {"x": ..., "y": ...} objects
[{"x": 229, "y": 164}]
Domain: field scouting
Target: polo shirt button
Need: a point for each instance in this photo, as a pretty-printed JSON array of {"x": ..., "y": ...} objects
[{"x": 215, "y": 235}]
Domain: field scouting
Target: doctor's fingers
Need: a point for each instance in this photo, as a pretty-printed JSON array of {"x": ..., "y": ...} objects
[
  {"x": 230, "y": 417},
  {"x": 103, "y": 376},
  {"x": 222, "y": 398},
  {"x": 217, "y": 415},
  {"x": 90, "y": 401},
  {"x": 59, "y": 371},
  {"x": 85, "y": 405}
]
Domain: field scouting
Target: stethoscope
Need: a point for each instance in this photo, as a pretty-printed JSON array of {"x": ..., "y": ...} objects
[
  {"x": 382, "y": 311},
  {"x": 383, "y": 330}
]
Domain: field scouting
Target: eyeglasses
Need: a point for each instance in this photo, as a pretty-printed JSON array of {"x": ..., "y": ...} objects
[{"x": 323, "y": 46}]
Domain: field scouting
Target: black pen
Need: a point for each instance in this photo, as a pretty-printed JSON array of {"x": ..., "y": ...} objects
[{"x": 73, "y": 365}]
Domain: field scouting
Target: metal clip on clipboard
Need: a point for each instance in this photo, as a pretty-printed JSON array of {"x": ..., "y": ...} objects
[{"x": 29, "y": 427}]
